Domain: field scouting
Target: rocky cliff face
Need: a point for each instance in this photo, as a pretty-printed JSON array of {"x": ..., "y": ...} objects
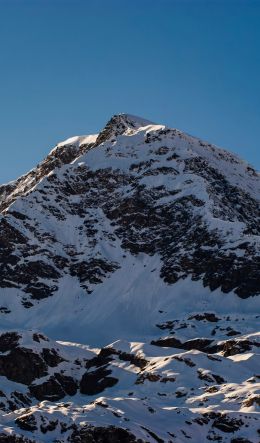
[{"x": 147, "y": 238}]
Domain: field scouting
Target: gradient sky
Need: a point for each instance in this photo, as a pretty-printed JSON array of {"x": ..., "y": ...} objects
[{"x": 66, "y": 66}]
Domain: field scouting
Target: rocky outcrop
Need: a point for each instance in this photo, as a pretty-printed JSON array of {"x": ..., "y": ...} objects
[
  {"x": 110, "y": 434},
  {"x": 97, "y": 381}
]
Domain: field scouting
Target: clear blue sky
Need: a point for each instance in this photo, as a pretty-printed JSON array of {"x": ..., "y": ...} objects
[{"x": 67, "y": 65}]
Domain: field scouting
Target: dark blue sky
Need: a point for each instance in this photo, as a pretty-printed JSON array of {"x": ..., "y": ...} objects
[{"x": 67, "y": 66}]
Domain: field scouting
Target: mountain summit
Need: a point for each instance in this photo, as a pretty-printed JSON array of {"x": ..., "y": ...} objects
[{"x": 138, "y": 250}]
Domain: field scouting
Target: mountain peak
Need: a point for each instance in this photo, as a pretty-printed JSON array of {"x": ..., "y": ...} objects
[
  {"x": 121, "y": 123},
  {"x": 139, "y": 251},
  {"x": 133, "y": 120}
]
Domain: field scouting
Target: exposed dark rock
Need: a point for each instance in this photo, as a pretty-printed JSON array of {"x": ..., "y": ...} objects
[
  {"x": 27, "y": 422},
  {"x": 254, "y": 400},
  {"x": 93, "y": 271},
  {"x": 18, "y": 397},
  {"x": 39, "y": 291},
  {"x": 49, "y": 390},
  {"x": 50, "y": 426},
  {"x": 201, "y": 344},
  {"x": 104, "y": 357},
  {"x": 233, "y": 347},
  {"x": 51, "y": 357},
  {"x": 227, "y": 424},
  {"x": 8, "y": 341},
  {"x": 211, "y": 317},
  {"x": 153, "y": 435},
  {"x": 22, "y": 366},
  {"x": 148, "y": 376},
  {"x": 97, "y": 381},
  {"x": 38, "y": 337},
  {"x": 111, "y": 434},
  {"x": 68, "y": 383},
  {"x": 187, "y": 361},
  {"x": 4, "y": 438},
  {"x": 136, "y": 360},
  {"x": 240, "y": 440}
]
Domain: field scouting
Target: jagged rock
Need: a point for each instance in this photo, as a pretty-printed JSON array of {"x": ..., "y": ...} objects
[
  {"x": 22, "y": 366},
  {"x": 69, "y": 385},
  {"x": 49, "y": 390},
  {"x": 27, "y": 422},
  {"x": 201, "y": 344},
  {"x": 4, "y": 438},
  {"x": 111, "y": 434},
  {"x": 51, "y": 357},
  {"x": 8, "y": 341},
  {"x": 226, "y": 424},
  {"x": 97, "y": 381}
]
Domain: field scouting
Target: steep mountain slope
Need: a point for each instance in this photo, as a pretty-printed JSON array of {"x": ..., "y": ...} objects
[{"x": 147, "y": 238}]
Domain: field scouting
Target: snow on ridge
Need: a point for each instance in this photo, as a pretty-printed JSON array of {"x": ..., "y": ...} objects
[
  {"x": 136, "y": 120},
  {"x": 77, "y": 141}
]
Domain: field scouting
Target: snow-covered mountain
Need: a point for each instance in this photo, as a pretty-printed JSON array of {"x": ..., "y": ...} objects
[{"x": 137, "y": 252}]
